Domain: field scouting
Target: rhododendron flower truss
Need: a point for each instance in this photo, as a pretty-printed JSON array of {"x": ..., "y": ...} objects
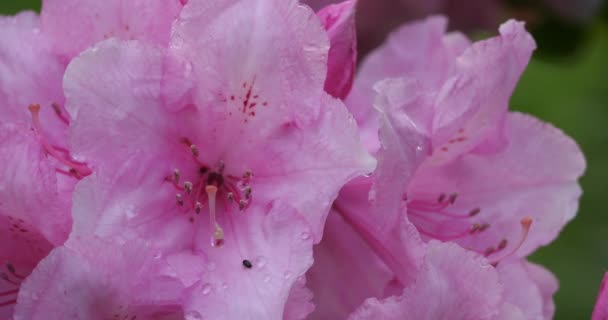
[
  {"x": 39, "y": 170},
  {"x": 454, "y": 166},
  {"x": 93, "y": 279},
  {"x": 242, "y": 176},
  {"x": 480, "y": 171}
]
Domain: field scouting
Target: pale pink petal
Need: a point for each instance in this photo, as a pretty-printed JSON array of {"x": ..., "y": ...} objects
[
  {"x": 529, "y": 288},
  {"x": 299, "y": 303},
  {"x": 325, "y": 154},
  {"x": 278, "y": 245},
  {"x": 29, "y": 73},
  {"x": 346, "y": 271},
  {"x": 471, "y": 105},
  {"x": 404, "y": 145},
  {"x": 452, "y": 284},
  {"x": 339, "y": 21},
  {"x": 95, "y": 279},
  {"x": 419, "y": 51},
  {"x": 118, "y": 85},
  {"x": 534, "y": 176},
  {"x": 548, "y": 285},
  {"x": 28, "y": 191},
  {"x": 74, "y": 25},
  {"x": 600, "y": 312},
  {"x": 259, "y": 60}
]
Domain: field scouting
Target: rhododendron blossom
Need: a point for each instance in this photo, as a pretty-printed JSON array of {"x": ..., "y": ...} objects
[
  {"x": 454, "y": 166},
  {"x": 221, "y": 159},
  {"x": 36, "y": 187},
  {"x": 231, "y": 187}
]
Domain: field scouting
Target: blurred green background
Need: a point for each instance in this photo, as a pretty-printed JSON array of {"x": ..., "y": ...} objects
[{"x": 566, "y": 84}]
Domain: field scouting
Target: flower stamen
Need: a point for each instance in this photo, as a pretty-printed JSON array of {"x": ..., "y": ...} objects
[
  {"x": 526, "y": 224},
  {"x": 218, "y": 234},
  {"x": 79, "y": 169}
]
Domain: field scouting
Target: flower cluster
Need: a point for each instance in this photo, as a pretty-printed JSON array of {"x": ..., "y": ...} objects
[{"x": 221, "y": 159}]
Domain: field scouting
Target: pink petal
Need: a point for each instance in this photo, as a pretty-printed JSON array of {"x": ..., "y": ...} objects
[
  {"x": 600, "y": 312},
  {"x": 534, "y": 176},
  {"x": 418, "y": 50},
  {"x": 118, "y": 104},
  {"x": 299, "y": 303},
  {"x": 263, "y": 59},
  {"x": 339, "y": 21},
  {"x": 452, "y": 284},
  {"x": 95, "y": 279},
  {"x": 29, "y": 73},
  {"x": 75, "y": 25},
  {"x": 346, "y": 271},
  {"x": 277, "y": 243},
  {"x": 27, "y": 191},
  {"x": 399, "y": 247},
  {"x": 528, "y": 288},
  {"x": 547, "y": 284},
  {"x": 474, "y": 100}
]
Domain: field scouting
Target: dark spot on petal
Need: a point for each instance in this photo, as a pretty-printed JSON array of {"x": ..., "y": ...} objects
[{"x": 247, "y": 264}]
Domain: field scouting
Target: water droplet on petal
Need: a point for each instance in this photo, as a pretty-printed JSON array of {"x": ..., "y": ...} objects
[
  {"x": 260, "y": 262},
  {"x": 305, "y": 235},
  {"x": 267, "y": 279},
  {"x": 206, "y": 288},
  {"x": 131, "y": 212},
  {"x": 193, "y": 315}
]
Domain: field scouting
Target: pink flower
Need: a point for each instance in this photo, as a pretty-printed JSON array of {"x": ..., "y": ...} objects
[
  {"x": 36, "y": 187},
  {"x": 454, "y": 166},
  {"x": 91, "y": 278},
  {"x": 233, "y": 185},
  {"x": 600, "y": 312},
  {"x": 479, "y": 170}
]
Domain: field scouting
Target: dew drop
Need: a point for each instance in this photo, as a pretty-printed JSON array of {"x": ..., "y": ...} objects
[
  {"x": 260, "y": 262},
  {"x": 206, "y": 289},
  {"x": 131, "y": 212},
  {"x": 267, "y": 279},
  {"x": 305, "y": 235},
  {"x": 193, "y": 315},
  {"x": 158, "y": 255}
]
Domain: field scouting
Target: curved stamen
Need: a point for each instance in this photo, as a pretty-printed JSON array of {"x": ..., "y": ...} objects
[
  {"x": 59, "y": 114},
  {"x": 81, "y": 169},
  {"x": 526, "y": 224}
]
